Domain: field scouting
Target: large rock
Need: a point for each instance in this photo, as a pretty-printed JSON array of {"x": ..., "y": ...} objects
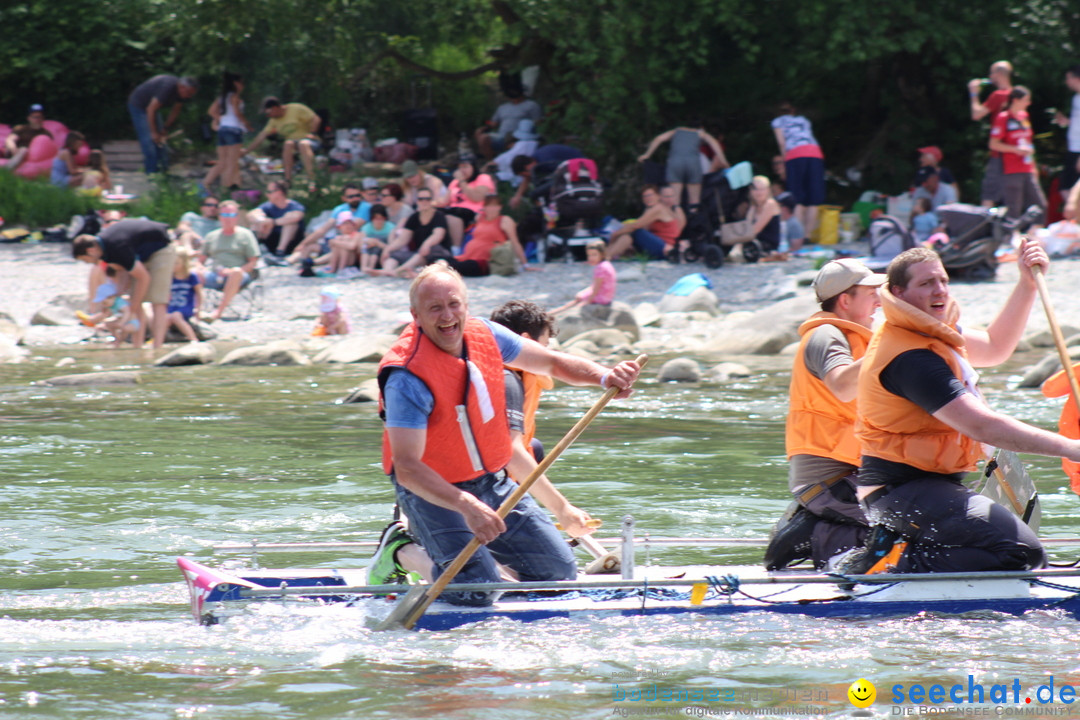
[
  {"x": 367, "y": 391},
  {"x": 112, "y": 377},
  {"x": 199, "y": 353},
  {"x": 1036, "y": 375},
  {"x": 356, "y": 348},
  {"x": 60, "y": 310},
  {"x": 647, "y": 313},
  {"x": 726, "y": 371},
  {"x": 700, "y": 298},
  {"x": 1045, "y": 339},
  {"x": 765, "y": 332},
  {"x": 283, "y": 352},
  {"x": 10, "y": 329},
  {"x": 602, "y": 339},
  {"x": 680, "y": 370},
  {"x": 10, "y": 352},
  {"x": 582, "y": 318}
]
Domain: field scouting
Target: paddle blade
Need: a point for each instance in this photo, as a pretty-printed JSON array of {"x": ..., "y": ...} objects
[
  {"x": 404, "y": 608},
  {"x": 1008, "y": 484}
]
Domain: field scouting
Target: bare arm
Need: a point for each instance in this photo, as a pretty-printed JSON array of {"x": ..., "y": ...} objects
[
  {"x": 259, "y": 139},
  {"x": 843, "y": 382},
  {"x": 319, "y": 232},
  {"x": 407, "y": 448},
  {"x": 1072, "y": 204},
  {"x": 235, "y": 101},
  {"x": 995, "y": 345},
  {"x": 476, "y": 193},
  {"x": 661, "y": 138},
  {"x": 650, "y": 216},
  {"x": 522, "y": 463},
  {"x": 780, "y": 142},
  {"x": 720, "y": 161},
  {"x": 291, "y": 217},
  {"x": 978, "y": 110},
  {"x": 250, "y": 264},
  {"x": 536, "y": 358},
  {"x": 771, "y": 210},
  {"x": 173, "y": 114},
  {"x": 971, "y": 417},
  {"x": 510, "y": 230},
  {"x": 434, "y": 239}
]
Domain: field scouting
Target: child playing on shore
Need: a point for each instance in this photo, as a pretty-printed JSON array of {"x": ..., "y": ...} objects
[
  {"x": 374, "y": 237},
  {"x": 186, "y": 296},
  {"x": 924, "y": 221},
  {"x": 117, "y": 318},
  {"x": 344, "y": 247},
  {"x": 333, "y": 320},
  {"x": 96, "y": 178},
  {"x": 602, "y": 290}
]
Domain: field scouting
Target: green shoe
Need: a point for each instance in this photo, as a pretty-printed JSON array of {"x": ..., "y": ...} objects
[{"x": 384, "y": 568}]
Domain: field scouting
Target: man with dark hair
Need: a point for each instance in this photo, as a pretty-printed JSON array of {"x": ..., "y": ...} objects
[
  {"x": 823, "y": 455},
  {"x": 17, "y": 144},
  {"x": 298, "y": 125},
  {"x": 278, "y": 222},
  {"x": 929, "y": 186},
  {"x": 491, "y": 139},
  {"x": 922, "y": 424},
  {"x": 1070, "y": 173},
  {"x": 352, "y": 201},
  {"x": 144, "y": 250},
  {"x": 145, "y": 105}
]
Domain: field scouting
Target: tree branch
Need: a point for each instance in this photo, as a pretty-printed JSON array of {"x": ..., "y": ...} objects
[{"x": 390, "y": 53}]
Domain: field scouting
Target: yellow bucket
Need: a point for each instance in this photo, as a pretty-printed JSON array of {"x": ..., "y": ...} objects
[{"x": 827, "y": 231}]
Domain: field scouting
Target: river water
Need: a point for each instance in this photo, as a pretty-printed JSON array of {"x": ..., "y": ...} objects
[{"x": 104, "y": 487}]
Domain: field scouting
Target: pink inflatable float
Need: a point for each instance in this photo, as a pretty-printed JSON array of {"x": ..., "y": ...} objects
[{"x": 42, "y": 150}]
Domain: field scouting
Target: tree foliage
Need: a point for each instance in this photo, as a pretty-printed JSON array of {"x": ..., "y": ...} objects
[{"x": 877, "y": 79}]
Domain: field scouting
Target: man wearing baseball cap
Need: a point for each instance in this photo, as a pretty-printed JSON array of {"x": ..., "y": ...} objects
[
  {"x": 931, "y": 157},
  {"x": 825, "y": 520}
]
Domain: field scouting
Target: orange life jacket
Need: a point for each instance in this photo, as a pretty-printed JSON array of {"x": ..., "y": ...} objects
[
  {"x": 533, "y": 386},
  {"x": 1069, "y": 423},
  {"x": 892, "y": 428},
  {"x": 460, "y": 445},
  {"x": 818, "y": 423}
]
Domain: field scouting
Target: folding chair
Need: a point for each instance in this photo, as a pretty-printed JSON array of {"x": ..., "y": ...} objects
[{"x": 247, "y": 302}]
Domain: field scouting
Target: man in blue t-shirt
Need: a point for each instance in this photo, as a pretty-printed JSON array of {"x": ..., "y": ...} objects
[
  {"x": 445, "y": 516},
  {"x": 352, "y": 201},
  {"x": 278, "y": 222}
]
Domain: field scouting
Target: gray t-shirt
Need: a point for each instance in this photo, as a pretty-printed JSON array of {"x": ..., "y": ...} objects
[
  {"x": 162, "y": 87},
  {"x": 827, "y": 349}
]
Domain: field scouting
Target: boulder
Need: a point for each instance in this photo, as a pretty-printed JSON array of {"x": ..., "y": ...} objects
[
  {"x": 765, "y": 332},
  {"x": 630, "y": 273},
  {"x": 199, "y": 353},
  {"x": 10, "y": 329},
  {"x": 581, "y": 351},
  {"x": 700, "y": 298},
  {"x": 10, "y": 352},
  {"x": 356, "y": 348},
  {"x": 1036, "y": 375},
  {"x": 726, "y": 371},
  {"x": 588, "y": 347},
  {"x": 646, "y": 314},
  {"x": 791, "y": 349},
  {"x": 282, "y": 352},
  {"x": 617, "y": 315},
  {"x": 680, "y": 370},
  {"x": 112, "y": 377},
  {"x": 53, "y": 315},
  {"x": 367, "y": 391},
  {"x": 65, "y": 362},
  {"x": 1045, "y": 339},
  {"x": 602, "y": 338}
]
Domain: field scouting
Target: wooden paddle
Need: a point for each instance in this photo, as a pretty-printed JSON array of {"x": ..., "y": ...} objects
[
  {"x": 412, "y": 607},
  {"x": 1055, "y": 330}
]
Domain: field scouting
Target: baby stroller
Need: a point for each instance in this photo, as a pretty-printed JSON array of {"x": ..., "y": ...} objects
[
  {"x": 975, "y": 234},
  {"x": 577, "y": 197},
  {"x": 888, "y": 238},
  {"x": 722, "y": 194}
]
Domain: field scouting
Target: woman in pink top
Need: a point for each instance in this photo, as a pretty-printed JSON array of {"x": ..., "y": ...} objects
[
  {"x": 602, "y": 290},
  {"x": 492, "y": 228},
  {"x": 468, "y": 190}
]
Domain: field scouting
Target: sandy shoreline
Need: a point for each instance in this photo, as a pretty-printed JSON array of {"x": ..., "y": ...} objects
[{"x": 33, "y": 275}]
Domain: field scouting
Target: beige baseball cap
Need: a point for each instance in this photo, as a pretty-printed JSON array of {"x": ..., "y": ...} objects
[{"x": 836, "y": 276}]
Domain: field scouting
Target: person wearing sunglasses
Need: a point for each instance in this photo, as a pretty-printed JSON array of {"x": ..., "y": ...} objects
[
  {"x": 230, "y": 254},
  {"x": 195, "y": 226},
  {"x": 423, "y": 239},
  {"x": 317, "y": 242}
]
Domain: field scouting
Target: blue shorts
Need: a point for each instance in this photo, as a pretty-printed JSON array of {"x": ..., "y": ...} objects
[
  {"x": 217, "y": 282},
  {"x": 806, "y": 180},
  {"x": 229, "y": 136},
  {"x": 649, "y": 243},
  {"x": 531, "y": 545}
]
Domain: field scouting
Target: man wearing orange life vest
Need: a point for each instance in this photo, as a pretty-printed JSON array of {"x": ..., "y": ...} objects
[
  {"x": 823, "y": 455},
  {"x": 447, "y": 438},
  {"x": 921, "y": 423}
]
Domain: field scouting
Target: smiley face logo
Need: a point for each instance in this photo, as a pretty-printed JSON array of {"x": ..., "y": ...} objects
[{"x": 862, "y": 693}]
